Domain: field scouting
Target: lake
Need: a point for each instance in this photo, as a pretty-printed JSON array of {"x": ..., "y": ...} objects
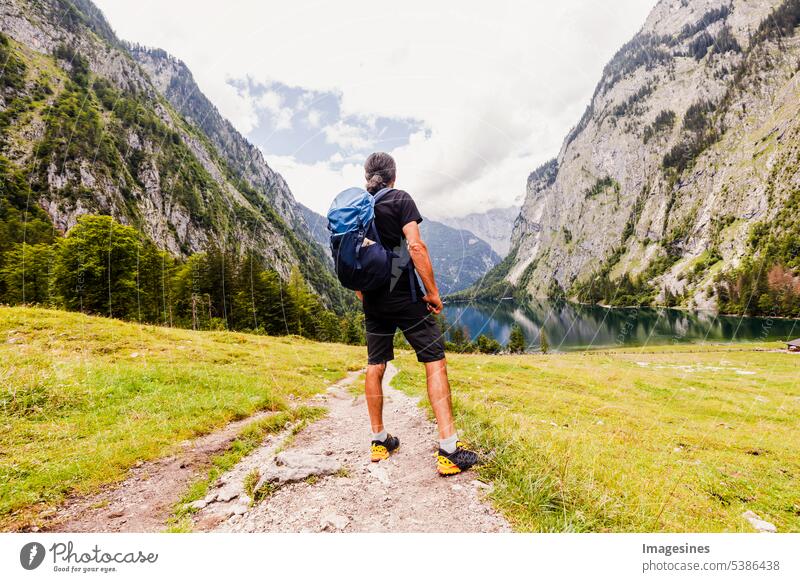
[{"x": 570, "y": 326}]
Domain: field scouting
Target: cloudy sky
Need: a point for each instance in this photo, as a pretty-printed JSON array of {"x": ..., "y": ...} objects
[{"x": 469, "y": 97}]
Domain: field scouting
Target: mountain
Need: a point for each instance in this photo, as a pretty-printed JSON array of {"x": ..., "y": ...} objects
[
  {"x": 494, "y": 226},
  {"x": 317, "y": 227},
  {"x": 96, "y": 126},
  {"x": 459, "y": 257},
  {"x": 680, "y": 183}
]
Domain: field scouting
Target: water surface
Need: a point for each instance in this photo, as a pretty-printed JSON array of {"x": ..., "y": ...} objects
[{"x": 570, "y": 326}]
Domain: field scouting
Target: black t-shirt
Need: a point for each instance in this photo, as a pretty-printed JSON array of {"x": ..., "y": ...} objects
[{"x": 393, "y": 211}]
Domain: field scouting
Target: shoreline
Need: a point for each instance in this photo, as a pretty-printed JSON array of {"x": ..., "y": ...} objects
[{"x": 629, "y": 307}]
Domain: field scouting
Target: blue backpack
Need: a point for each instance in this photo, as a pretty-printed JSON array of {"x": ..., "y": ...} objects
[{"x": 361, "y": 261}]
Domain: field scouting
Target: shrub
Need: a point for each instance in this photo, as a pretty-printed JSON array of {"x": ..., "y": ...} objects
[
  {"x": 663, "y": 121},
  {"x": 488, "y": 345},
  {"x": 699, "y": 134}
]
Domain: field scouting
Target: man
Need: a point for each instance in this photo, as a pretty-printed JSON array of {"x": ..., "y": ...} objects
[{"x": 393, "y": 306}]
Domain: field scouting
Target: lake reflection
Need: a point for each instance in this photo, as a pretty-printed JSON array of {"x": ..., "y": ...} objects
[{"x": 570, "y": 326}]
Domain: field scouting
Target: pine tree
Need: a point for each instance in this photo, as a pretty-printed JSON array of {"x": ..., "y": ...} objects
[
  {"x": 544, "y": 345},
  {"x": 516, "y": 342}
]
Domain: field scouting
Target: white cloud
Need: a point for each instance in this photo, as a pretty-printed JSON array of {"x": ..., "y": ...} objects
[
  {"x": 314, "y": 118},
  {"x": 497, "y": 84},
  {"x": 319, "y": 182},
  {"x": 347, "y": 136}
]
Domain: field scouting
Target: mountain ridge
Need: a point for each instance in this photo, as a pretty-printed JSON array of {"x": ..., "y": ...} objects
[
  {"x": 493, "y": 226},
  {"x": 91, "y": 132},
  {"x": 688, "y": 144}
]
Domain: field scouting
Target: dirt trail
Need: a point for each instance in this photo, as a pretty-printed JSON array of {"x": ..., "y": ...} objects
[
  {"x": 333, "y": 486},
  {"x": 144, "y": 501},
  {"x": 401, "y": 494}
]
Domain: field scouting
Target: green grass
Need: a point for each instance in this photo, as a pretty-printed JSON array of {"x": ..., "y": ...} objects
[
  {"x": 668, "y": 439},
  {"x": 82, "y": 399},
  {"x": 681, "y": 438}
]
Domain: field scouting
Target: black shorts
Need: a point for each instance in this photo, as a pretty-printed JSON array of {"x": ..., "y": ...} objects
[{"x": 418, "y": 325}]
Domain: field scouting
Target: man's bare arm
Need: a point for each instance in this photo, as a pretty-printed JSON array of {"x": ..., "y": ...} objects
[{"x": 424, "y": 266}]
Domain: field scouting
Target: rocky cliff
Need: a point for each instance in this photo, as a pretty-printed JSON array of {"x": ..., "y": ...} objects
[
  {"x": 493, "y": 226},
  {"x": 94, "y": 130},
  {"x": 459, "y": 257},
  {"x": 691, "y": 143}
]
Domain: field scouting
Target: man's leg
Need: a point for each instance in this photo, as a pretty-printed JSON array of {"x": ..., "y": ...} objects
[
  {"x": 439, "y": 396},
  {"x": 373, "y": 390}
]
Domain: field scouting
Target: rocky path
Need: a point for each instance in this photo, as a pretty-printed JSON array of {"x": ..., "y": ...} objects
[
  {"x": 322, "y": 480},
  {"x": 144, "y": 501},
  {"x": 319, "y": 479}
]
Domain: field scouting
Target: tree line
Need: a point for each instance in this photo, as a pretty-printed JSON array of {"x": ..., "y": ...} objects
[
  {"x": 459, "y": 341},
  {"x": 105, "y": 268}
]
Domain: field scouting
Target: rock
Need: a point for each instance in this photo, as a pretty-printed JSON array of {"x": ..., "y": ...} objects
[
  {"x": 239, "y": 509},
  {"x": 758, "y": 523},
  {"x": 457, "y": 487},
  {"x": 199, "y": 504},
  {"x": 228, "y": 493},
  {"x": 334, "y": 522},
  {"x": 380, "y": 474},
  {"x": 290, "y": 466}
]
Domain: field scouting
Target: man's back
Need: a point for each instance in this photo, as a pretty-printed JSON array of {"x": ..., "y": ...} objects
[{"x": 393, "y": 211}]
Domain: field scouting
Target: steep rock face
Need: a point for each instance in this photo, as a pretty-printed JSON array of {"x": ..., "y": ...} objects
[
  {"x": 492, "y": 226},
  {"x": 174, "y": 81},
  {"x": 86, "y": 126},
  {"x": 318, "y": 227},
  {"x": 459, "y": 257},
  {"x": 691, "y": 138}
]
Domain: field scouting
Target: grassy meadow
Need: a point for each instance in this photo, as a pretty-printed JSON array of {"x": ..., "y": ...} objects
[
  {"x": 664, "y": 439},
  {"x": 83, "y": 398},
  {"x": 679, "y": 439}
]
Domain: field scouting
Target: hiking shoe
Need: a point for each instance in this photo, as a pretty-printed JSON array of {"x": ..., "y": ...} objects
[
  {"x": 380, "y": 450},
  {"x": 460, "y": 460}
]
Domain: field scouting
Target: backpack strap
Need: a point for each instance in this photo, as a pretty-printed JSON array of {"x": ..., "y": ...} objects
[
  {"x": 412, "y": 273},
  {"x": 375, "y": 197},
  {"x": 380, "y": 194}
]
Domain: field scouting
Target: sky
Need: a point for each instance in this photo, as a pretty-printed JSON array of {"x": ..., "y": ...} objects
[{"x": 469, "y": 97}]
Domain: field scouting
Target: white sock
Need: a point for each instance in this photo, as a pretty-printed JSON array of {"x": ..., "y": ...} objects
[
  {"x": 380, "y": 436},
  {"x": 448, "y": 445}
]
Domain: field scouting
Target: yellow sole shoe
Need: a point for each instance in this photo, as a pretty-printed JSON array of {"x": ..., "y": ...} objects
[
  {"x": 446, "y": 467},
  {"x": 380, "y": 453}
]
